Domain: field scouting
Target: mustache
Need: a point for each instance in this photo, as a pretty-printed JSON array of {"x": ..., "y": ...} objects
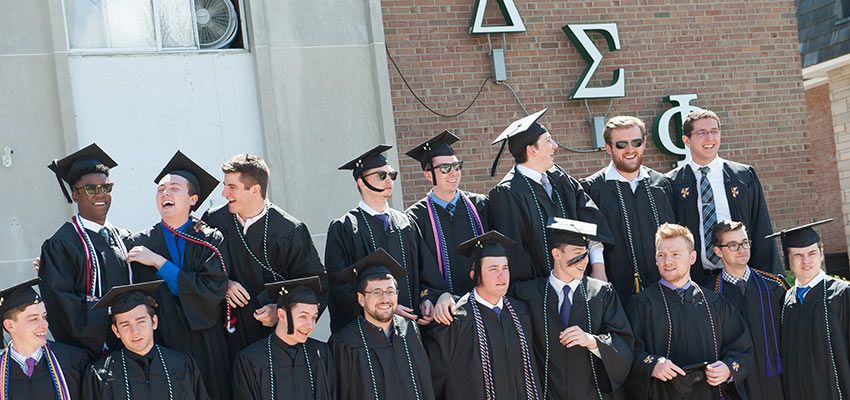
[{"x": 576, "y": 259}]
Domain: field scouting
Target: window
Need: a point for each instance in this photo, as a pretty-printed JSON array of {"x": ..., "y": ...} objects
[{"x": 154, "y": 25}]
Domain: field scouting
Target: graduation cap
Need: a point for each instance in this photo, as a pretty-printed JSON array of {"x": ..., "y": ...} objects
[
  {"x": 88, "y": 160},
  {"x": 373, "y": 158},
  {"x": 490, "y": 244},
  {"x": 440, "y": 145},
  {"x": 201, "y": 180},
  {"x": 518, "y": 135},
  {"x": 800, "y": 236},
  {"x": 379, "y": 263},
  {"x": 124, "y": 298},
  {"x": 570, "y": 231},
  {"x": 294, "y": 291},
  {"x": 19, "y": 295}
]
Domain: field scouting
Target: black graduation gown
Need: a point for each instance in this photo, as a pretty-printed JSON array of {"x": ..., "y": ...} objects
[
  {"x": 643, "y": 219},
  {"x": 692, "y": 341},
  {"x": 805, "y": 350},
  {"x": 455, "y": 356},
  {"x": 291, "y": 254},
  {"x": 746, "y": 204},
  {"x": 514, "y": 212},
  {"x": 252, "y": 381},
  {"x": 760, "y": 306},
  {"x": 73, "y": 362},
  {"x": 455, "y": 230},
  {"x": 570, "y": 373},
  {"x": 350, "y": 239},
  {"x": 192, "y": 322},
  {"x": 105, "y": 378},
  {"x": 63, "y": 288},
  {"x": 391, "y": 362}
]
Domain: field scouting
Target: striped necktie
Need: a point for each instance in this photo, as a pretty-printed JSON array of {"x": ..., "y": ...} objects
[{"x": 709, "y": 215}]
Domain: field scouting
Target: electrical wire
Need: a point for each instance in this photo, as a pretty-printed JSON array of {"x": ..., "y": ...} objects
[{"x": 403, "y": 79}]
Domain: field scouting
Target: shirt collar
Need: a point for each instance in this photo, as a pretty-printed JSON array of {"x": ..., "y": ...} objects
[
  {"x": 249, "y": 221},
  {"x": 611, "y": 174},
  {"x": 558, "y": 284},
  {"x": 529, "y": 173},
  {"x": 442, "y": 203},
  {"x": 733, "y": 279},
  {"x": 671, "y": 287},
  {"x": 715, "y": 165},
  {"x": 812, "y": 283},
  {"x": 487, "y": 304},
  {"x": 369, "y": 210},
  {"x": 93, "y": 226},
  {"x": 22, "y": 359}
]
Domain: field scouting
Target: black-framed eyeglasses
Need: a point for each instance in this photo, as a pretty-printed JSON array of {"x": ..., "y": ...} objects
[
  {"x": 379, "y": 294},
  {"x": 622, "y": 144},
  {"x": 449, "y": 167},
  {"x": 735, "y": 246},
  {"x": 382, "y": 175},
  {"x": 93, "y": 190}
]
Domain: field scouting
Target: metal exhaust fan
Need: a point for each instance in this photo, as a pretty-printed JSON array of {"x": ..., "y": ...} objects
[{"x": 216, "y": 22}]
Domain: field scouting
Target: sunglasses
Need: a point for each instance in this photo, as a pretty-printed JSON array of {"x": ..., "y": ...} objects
[
  {"x": 449, "y": 167},
  {"x": 622, "y": 144},
  {"x": 576, "y": 259},
  {"x": 92, "y": 190},
  {"x": 382, "y": 175}
]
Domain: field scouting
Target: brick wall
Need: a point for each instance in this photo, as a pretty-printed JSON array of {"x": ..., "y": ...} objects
[
  {"x": 839, "y": 87},
  {"x": 821, "y": 135},
  {"x": 740, "y": 57}
]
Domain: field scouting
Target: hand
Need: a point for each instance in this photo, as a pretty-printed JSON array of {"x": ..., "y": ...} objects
[
  {"x": 426, "y": 309},
  {"x": 145, "y": 256},
  {"x": 36, "y": 264},
  {"x": 574, "y": 336},
  {"x": 237, "y": 296},
  {"x": 444, "y": 309},
  {"x": 665, "y": 370},
  {"x": 597, "y": 271},
  {"x": 717, "y": 373},
  {"x": 405, "y": 312},
  {"x": 267, "y": 315}
]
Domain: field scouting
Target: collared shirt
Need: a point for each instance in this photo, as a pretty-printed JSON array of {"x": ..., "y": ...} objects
[
  {"x": 22, "y": 359},
  {"x": 442, "y": 203},
  {"x": 480, "y": 300},
  {"x": 812, "y": 283},
  {"x": 734, "y": 279},
  {"x": 670, "y": 286},
  {"x": 94, "y": 226},
  {"x": 721, "y": 204},
  {"x": 611, "y": 174},
  {"x": 246, "y": 223},
  {"x": 596, "y": 249},
  {"x": 558, "y": 285},
  {"x": 371, "y": 211}
]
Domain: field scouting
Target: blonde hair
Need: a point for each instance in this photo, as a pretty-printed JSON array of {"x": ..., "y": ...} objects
[
  {"x": 622, "y": 122},
  {"x": 671, "y": 231}
]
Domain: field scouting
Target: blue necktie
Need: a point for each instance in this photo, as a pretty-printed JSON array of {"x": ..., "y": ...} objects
[
  {"x": 105, "y": 233},
  {"x": 385, "y": 219},
  {"x": 681, "y": 293},
  {"x": 801, "y": 292},
  {"x": 709, "y": 215},
  {"x": 450, "y": 208},
  {"x": 498, "y": 312},
  {"x": 566, "y": 307}
]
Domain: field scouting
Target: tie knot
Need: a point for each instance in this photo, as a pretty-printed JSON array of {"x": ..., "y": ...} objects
[
  {"x": 681, "y": 293},
  {"x": 704, "y": 170},
  {"x": 104, "y": 232},
  {"x": 30, "y": 366},
  {"x": 450, "y": 208},
  {"x": 567, "y": 290},
  {"x": 498, "y": 311},
  {"x": 801, "y": 293}
]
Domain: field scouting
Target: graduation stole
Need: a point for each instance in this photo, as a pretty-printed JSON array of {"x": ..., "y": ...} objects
[
  {"x": 164, "y": 367},
  {"x": 556, "y": 198},
  {"x": 484, "y": 352},
  {"x": 401, "y": 246},
  {"x": 271, "y": 367},
  {"x": 440, "y": 241},
  {"x": 230, "y": 318},
  {"x": 93, "y": 282},
  {"x": 638, "y": 281},
  {"x": 771, "y": 369},
  {"x": 267, "y": 264},
  {"x": 60, "y": 388},
  {"x": 372, "y": 369}
]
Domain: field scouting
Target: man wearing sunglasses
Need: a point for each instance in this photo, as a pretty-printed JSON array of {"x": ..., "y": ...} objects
[
  {"x": 446, "y": 217},
  {"x": 758, "y": 297},
  {"x": 635, "y": 203},
  {"x": 85, "y": 257},
  {"x": 709, "y": 189},
  {"x": 369, "y": 227}
]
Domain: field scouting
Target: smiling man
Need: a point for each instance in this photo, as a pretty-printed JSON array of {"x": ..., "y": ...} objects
[
  {"x": 191, "y": 302},
  {"x": 635, "y": 202},
  {"x": 369, "y": 227},
  {"x": 32, "y": 366},
  {"x": 264, "y": 244},
  {"x": 531, "y": 194},
  {"x": 709, "y": 189},
  {"x": 86, "y": 256},
  {"x": 143, "y": 369}
]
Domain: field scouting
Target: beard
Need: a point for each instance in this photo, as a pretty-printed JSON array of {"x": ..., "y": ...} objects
[
  {"x": 628, "y": 166},
  {"x": 382, "y": 316}
]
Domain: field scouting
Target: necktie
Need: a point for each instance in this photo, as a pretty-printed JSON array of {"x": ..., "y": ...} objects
[
  {"x": 450, "y": 208},
  {"x": 105, "y": 233},
  {"x": 385, "y": 219},
  {"x": 801, "y": 292},
  {"x": 742, "y": 284},
  {"x": 547, "y": 186},
  {"x": 30, "y": 366},
  {"x": 566, "y": 307},
  {"x": 681, "y": 293},
  {"x": 498, "y": 312},
  {"x": 709, "y": 215}
]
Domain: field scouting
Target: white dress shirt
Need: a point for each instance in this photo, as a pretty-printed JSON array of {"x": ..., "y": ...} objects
[
  {"x": 246, "y": 223},
  {"x": 721, "y": 204},
  {"x": 611, "y": 174},
  {"x": 371, "y": 211},
  {"x": 812, "y": 283},
  {"x": 558, "y": 285}
]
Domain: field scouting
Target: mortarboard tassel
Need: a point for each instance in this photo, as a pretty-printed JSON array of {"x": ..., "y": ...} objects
[
  {"x": 637, "y": 283},
  {"x": 498, "y": 156}
]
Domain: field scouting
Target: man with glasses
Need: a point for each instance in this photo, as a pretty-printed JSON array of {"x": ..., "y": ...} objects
[
  {"x": 85, "y": 257},
  {"x": 758, "y": 296},
  {"x": 446, "y": 217},
  {"x": 367, "y": 228},
  {"x": 532, "y": 194},
  {"x": 709, "y": 189},
  {"x": 635, "y": 203}
]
